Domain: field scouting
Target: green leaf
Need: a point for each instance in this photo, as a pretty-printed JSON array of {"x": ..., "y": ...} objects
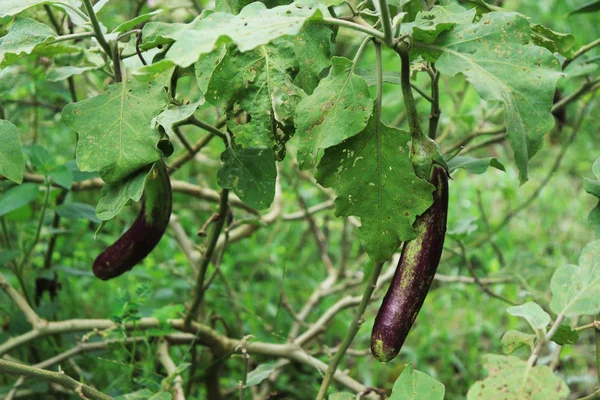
[
  {"x": 250, "y": 173},
  {"x": 115, "y": 134},
  {"x": 463, "y": 228},
  {"x": 7, "y": 256},
  {"x": 166, "y": 312},
  {"x": 590, "y": 7},
  {"x": 260, "y": 83},
  {"x": 155, "y": 71},
  {"x": 338, "y": 109},
  {"x": 204, "y": 67},
  {"x": 312, "y": 52},
  {"x": 175, "y": 114},
  {"x": 556, "y": 42},
  {"x": 474, "y": 165},
  {"x": 132, "y": 23},
  {"x": 592, "y": 187},
  {"x": 254, "y": 26},
  {"x": 536, "y": 317},
  {"x": 61, "y": 175},
  {"x": 12, "y": 163},
  {"x": 525, "y": 85},
  {"x": 374, "y": 180},
  {"x": 428, "y": 25},
  {"x": 510, "y": 378},
  {"x": 39, "y": 157},
  {"x": 416, "y": 385},
  {"x": 576, "y": 289},
  {"x": 115, "y": 196},
  {"x": 24, "y": 36},
  {"x": 13, "y": 7},
  {"x": 259, "y": 374},
  {"x": 62, "y": 73},
  {"x": 17, "y": 196},
  {"x": 74, "y": 210},
  {"x": 565, "y": 335},
  {"x": 513, "y": 340},
  {"x": 370, "y": 76}
]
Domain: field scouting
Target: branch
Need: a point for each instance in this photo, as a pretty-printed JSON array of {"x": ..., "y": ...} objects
[
  {"x": 97, "y": 29},
  {"x": 165, "y": 359},
  {"x": 20, "y": 302},
  {"x": 60, "y": 378}
]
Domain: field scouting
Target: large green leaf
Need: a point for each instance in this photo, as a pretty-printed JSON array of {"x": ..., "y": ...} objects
[
  {"x": 338, "y": 109},
  {"x": 115, "y": 134},
  {"x": 12, "y": 164},
  {"x": 417, "y": 385},
  {"x": 576, "y": 289},
  {"x": 254, "y": 26},
  {"x": 496, "y": 55},
  {"x": 259, "y": 82},
  {"x": 510, "y": 378},
  {"x": 250, "y": 173},
  {"x": 374, "y": 180}
]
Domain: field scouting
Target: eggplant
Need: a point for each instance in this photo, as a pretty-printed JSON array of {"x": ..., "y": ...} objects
[
  {"x": 145, "y": 233},
  {"x": 416, "y": 268}
]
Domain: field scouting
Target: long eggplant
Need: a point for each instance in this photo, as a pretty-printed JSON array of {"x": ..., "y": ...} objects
[
  {"x": 145, "y": 233},
  {"x": 418, "y": 262}
]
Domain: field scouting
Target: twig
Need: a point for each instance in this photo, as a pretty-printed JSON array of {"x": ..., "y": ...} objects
[
  {"x": 482, "y": 285},
  {"x": 207, "y": 256},
  {"x": 96, "y": 26},
  {"x": 581, "y": 51},
  {"x": 20, "y": 302}
]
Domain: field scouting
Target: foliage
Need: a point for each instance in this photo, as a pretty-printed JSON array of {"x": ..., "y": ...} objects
[{"x": 290, "y": 138}]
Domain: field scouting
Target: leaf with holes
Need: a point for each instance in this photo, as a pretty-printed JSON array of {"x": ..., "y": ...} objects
[{"x": 374, "y": 180}]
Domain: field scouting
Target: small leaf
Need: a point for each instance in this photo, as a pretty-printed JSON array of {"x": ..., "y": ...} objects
[
  {"x": 115, "y": 196},
  {"x": 576, "y": 289},
  {"x": 533, "y": 313},
  {"x": 17, "y": 196},
  {"x": 61, "y": 175},
  {"x": 464, "y": 227},
  {"x": 513, "y": 340},
  {"x": 416, "y": 385},
  {"x": 510, "y": 378},
  {"x": 128, "y": 25},
  {"x": 251, "y": 174},
  {"x": 39, "y": 157},
  {"x": 259, "y": 374},
  {"x": 565, "y": 335},
  {"x": 12, "y": 163},
  {"x": 474, "y": 165},
  {"x": 62, "y": 73},
  {"x": 175, "y": 114}
]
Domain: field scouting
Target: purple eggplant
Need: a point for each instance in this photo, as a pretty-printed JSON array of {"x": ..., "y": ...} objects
[
  {"x": 145, "y": 233},
  {"x": 418, "y": 262}
]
